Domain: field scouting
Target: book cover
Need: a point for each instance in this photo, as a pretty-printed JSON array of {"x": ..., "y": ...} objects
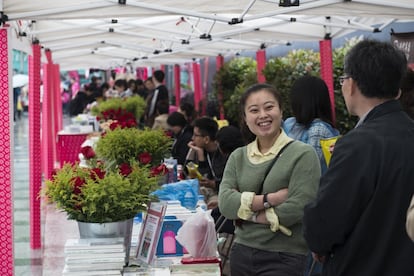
[{"x": 150, "y": 232}]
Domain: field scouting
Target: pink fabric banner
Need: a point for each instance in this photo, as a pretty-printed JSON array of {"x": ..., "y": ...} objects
[
  {"x": 48, "y": 141},
  {"x": 177, "y": 84},
  {"x": 261, "y": 63},
  {"x": 57, "y": 103},
  {"x": 219, "y": 64},
  {"x": 204, "y": 97},
  {"x": 325, "y": 49},
  {"x": 6, "y": 164},
  {"x": 197, "y": 85},
  {"x": 34, "y": 147}
]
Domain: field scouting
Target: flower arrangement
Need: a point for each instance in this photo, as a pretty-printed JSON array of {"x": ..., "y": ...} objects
[
  {"x": 120, "y": 109},
  {"x": 122, "y": 169}
]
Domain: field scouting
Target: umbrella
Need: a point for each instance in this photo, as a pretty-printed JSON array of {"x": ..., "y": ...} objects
[{"x": 20, "y": 80}]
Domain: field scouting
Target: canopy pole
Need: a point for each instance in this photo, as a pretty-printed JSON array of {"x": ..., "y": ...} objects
[
  {"x": 35, "y": 166},
  {"x": 6, "y": 160}
]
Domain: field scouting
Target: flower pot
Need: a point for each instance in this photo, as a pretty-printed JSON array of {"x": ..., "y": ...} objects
[{"x": 117, "y": 229}]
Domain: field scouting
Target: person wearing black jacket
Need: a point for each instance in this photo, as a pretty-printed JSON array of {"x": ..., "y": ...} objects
[
  {"x": 159, "y": 97},
  {"x": 182, "y": 133},
  {"x": 356, "y": 224}
]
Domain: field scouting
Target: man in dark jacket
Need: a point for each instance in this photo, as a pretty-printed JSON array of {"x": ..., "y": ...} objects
[
  {"x": 356, "y": 225},
  {"x": 158, "y": 98}
]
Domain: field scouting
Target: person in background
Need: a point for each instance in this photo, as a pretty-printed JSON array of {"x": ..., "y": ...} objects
[
  {"x": 121, "y": 86},
  {"x": 356, "y": 225},
  {"x": 149, "y": 85},
  {"x": 141, "y": 89},
  {"x": 158, "y": 97},
  {"x": 228, "y": 139},
  {"x": 132, "y": 86},
  {"x": 95, "y": 86},
  {"x": 160, "y": 122},
  {"x": 205, "y": 153},
  {"x": 312, "y": 114},
  {"x": 311, "y": 122},
  {"x": 189, "y": 112},
  {"x": 407, "y": 93},
  {"x": 267, "y": 205},
  {"x": 82, "y": 99},
  {"x": 182, "y": 133}
]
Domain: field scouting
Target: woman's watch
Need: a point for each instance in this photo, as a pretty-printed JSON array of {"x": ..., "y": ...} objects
[{"x": 266, "y": 204}]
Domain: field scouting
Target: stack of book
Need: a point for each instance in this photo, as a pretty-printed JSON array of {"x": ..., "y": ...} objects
[{"x": 100, "y": 256}]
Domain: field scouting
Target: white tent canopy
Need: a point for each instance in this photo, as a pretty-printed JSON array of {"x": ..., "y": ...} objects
[{"x": 105, "y": 33}]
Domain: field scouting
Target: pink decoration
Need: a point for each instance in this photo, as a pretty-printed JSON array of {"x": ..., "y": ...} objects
[
  {"x": 48, "y": 141},
  {"x": 325, "y": 49},
  {"x": 261, "y": 63},
  {"x": 35, "y": 147},
  {"x": 197, "y": 85},
  {"x": 6, "y": 204},
  {"x": 177, "y": 84},
  {"x": 219, "y": 64}
]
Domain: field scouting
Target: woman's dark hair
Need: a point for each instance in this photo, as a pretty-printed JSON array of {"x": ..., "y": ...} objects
[
  {"x": 229, "y": 138},
  {"x": 188, "y": 110},
  {"x": 246, "y": 133},
  {"x": 121, "y": 83},
  {"x": 309, "y": 98},
  {"x": 176, "y": 119},
  {"x": 207, "y": 126}
]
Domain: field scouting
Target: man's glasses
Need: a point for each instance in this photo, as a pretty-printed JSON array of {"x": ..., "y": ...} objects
[{"x": 343, "y": 78}]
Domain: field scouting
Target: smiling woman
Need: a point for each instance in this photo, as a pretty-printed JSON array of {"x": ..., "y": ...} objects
[{"x": 265, "y": 196}]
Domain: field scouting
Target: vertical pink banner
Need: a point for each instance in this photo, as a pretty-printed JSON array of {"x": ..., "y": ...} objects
[
  {"x": 197, "y": 85},
  {"x": 6, "y": 166},
  {"x": 163, "y": 69},
  {"x": 48, "y": 141},
  {"x": 204, "y": 87},
  {"x": 34, "y": 147},
  {"x": 261, "y": 63},
  {"x": 58, "y": 114},
  {"x": 177, "y": 84},
  {"x": 325, "y": 49},
  {"x": 219, "y": 64}
]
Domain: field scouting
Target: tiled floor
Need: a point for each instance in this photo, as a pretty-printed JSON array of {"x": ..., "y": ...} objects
[{"x": 55, "y": 227}]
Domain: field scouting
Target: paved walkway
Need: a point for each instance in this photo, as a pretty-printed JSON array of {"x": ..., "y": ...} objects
[{"x": 55, "y": 227}]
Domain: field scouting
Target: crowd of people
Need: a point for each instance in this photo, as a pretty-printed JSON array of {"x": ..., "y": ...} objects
[{"x": 293, "y": 213}]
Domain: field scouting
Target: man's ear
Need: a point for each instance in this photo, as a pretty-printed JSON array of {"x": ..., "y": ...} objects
[{"x": 354, "y": 87}]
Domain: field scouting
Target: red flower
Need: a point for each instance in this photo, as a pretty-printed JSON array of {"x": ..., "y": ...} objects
[
  {"x": 160, "y": 170},
  {"x": 78, "y": 182},
  {"x": 88, "y": 152},
  {"x": 145, "y": 158},
  {"x": 97, "y": 172},
  {"x": 125, "y": 169}
]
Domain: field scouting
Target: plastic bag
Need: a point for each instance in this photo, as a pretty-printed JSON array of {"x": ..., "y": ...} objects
[
  {"x": 198, "y": 235},
  {"x": 186, "y": 191}
]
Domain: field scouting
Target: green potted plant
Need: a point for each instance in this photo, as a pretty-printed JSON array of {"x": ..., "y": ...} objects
[
  {"x": 116, "y": 108},
  {"x": 121, "y": 170}
]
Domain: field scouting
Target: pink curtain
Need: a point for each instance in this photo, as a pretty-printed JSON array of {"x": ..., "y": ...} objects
[
  {"x": 219, "y": 64},
  {"x": 325, "y": 49},
  {"x": 6, "y": 164},
  {"x": 197, "y": 85},
  {"x": 261, "y": 63},
  {"x": 35, "y": 147},
  {"x": 177, "y": 84}
]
